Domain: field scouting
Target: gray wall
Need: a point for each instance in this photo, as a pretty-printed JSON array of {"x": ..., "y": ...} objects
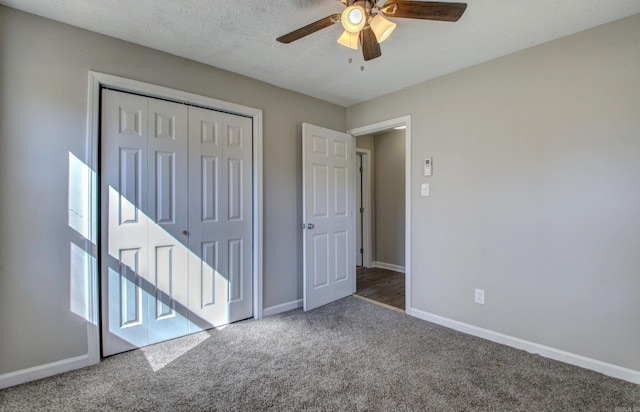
[
  {"x": 43, "y": 103},
  {"x": 534, "y": 194},
  {"x": 365, "y": 142},
  {"x": 389, "y": 196}
]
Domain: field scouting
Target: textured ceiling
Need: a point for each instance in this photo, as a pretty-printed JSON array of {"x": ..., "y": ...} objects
[{"x": 239, "y": 36}]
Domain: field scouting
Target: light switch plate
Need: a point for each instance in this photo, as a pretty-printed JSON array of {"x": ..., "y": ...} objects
[{"x": 424, "y": 190}]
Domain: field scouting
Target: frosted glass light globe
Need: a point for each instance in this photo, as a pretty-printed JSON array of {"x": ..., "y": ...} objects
[{"x": 353, "y": 18}]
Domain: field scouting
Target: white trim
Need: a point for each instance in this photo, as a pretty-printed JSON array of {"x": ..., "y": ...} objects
[
  {"x": 258, "y": 229},
  {"x": 386, "y": 125},
  {"x": 388, "y": 266},
  {"x": 283, "y": 307},
  {"x": 44, "y": 371},
  {"x": 605, "y": 368},
  {"x": 367, "y": 205},
  {"x": 96, "y": 80}
]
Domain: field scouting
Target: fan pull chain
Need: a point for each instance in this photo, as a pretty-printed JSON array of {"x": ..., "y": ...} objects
[{"x": 351, "y": 61}]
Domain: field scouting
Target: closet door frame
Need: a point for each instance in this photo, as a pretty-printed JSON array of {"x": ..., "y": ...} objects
[{"x": 97, "y": 81}]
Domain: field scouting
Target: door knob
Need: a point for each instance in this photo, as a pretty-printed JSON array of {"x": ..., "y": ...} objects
[
  {"x": 185, "y": 232},
  {"x": 310, "y": 226}
]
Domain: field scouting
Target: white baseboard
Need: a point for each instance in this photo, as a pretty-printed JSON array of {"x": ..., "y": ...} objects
[
  {"x": 283, "y": 307},
  {"x": 608, "y": 369},
  {"x": 44, "y": 371},
  {"x": 388, "y": 266}
]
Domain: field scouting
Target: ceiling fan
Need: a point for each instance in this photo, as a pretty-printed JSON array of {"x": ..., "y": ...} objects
[{"x": 364, "y": 21}]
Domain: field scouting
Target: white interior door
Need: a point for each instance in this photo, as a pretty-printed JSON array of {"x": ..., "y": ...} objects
[
  {"x": 144, "y": 186},
  {"x": 177, "y": 220},
  {"x": 237, "y": 213},
  {"x": 328, "y": 164},
  {"x": 124, "y": 190},
  {"x": 167, "y": 220},
  {"x": 359, "y": 211},
  {"x": 221, "y": 219}
]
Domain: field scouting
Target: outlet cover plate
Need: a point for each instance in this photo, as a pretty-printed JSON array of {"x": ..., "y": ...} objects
[{"x": 479, "y": 296}]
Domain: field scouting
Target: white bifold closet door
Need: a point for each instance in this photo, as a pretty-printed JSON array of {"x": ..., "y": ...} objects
[
  {"x": 176, "y": 220},
  {"x": 220, "y": 216}
]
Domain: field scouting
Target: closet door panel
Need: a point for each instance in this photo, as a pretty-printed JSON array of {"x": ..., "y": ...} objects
[
  {"x": 168, "y": 239},
  {"x": 207, "y": 279},
  {"x": 124, "y": 153},
  {"x": 238, "y": 215}
]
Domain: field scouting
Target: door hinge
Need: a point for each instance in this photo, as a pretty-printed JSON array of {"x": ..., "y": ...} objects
[
  {"x": 361, "y": 251},
  {"x": 362, "y": 210},
  {"x": 361, "y": 170}
]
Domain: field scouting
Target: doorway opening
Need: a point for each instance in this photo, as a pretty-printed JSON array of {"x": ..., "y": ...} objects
[
  {"x": 364, "y": 208},
  {"x": 382, "y": 213}
]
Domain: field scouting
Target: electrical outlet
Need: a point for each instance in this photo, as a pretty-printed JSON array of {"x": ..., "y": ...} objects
[{"x": 480, "y": 296}]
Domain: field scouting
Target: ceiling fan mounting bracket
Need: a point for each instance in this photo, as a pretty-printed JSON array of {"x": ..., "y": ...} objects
[{"x": 367, "y": 4}]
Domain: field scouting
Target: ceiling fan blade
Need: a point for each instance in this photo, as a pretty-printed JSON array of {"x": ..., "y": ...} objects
[
  {"x": 427, "y": 10},
  {"x": 370, "y": 45},
  {"x": 309, "y": 28}
]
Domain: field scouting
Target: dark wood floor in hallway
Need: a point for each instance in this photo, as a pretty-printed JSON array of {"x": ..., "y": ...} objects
[{"x": 381, "y": 285}]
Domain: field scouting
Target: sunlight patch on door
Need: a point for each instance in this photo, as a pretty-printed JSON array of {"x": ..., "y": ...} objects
[{"x": 166, "y": 310}]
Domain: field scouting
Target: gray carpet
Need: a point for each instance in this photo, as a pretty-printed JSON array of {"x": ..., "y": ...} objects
[{"x": 347, "y": 356}]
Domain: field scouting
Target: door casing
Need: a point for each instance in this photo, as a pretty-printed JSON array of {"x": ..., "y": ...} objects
[
  {"x": 386, "y": 125},
  {"x": 96, "y": 82}
]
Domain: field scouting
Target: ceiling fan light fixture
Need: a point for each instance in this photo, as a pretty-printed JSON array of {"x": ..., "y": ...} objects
[
  {"x": 382, "y": 27},
  {"x": 365, "y": 24},
  {"x": 354, "y": 18},
  {"x": 349, "y": 40}
]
